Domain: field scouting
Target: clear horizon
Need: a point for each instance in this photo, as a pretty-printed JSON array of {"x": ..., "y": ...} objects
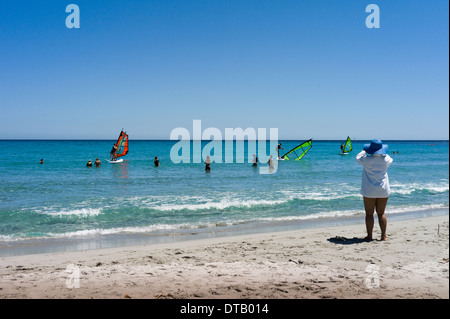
[
  {"x": 293, "y": 140},
  {"x": 310, "y": 69}
]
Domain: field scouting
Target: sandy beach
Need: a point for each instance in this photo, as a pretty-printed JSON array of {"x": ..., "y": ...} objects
[{"x": 303, "y": 264}]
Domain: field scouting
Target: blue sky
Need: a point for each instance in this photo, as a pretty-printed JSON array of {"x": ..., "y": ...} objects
[{"x": 312, "y": 69}]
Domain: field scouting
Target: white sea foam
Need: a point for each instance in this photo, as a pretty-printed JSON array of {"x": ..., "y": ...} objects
[
  {"x": 117, "y": 230},
  {"x": 197, "y": 203},
  {"x": 82, "y": 212},
  {"x": 321, "y": 195},
  {"x": 219, "y": 205},
  {"x": 407, "y": 189},
  {"x": 176, "y": 203},
  {"x": 167, "y": 229}
]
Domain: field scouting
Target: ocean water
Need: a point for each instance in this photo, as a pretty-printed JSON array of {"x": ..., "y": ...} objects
[{"x": 64, "y": 205}]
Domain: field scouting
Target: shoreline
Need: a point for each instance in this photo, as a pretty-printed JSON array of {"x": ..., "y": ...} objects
[
  {"x": 69, "y": 244},
  {"x": 326, "y": 262}
]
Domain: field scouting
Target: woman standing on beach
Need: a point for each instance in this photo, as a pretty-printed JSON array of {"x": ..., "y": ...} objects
[{"x": 375, "y": 184}]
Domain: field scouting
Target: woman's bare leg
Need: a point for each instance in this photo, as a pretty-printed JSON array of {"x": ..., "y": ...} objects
[
  {"x": 382, "y": 220},
  {"x": 369, "y": 206}
]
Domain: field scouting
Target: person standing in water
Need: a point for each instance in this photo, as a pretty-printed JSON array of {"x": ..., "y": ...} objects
[
  {"x": 270, "y": 162},
  {"x": 156, "y": 161},
  {"x": 255, "y": 160},
  {"x": 97, "y": 162},
  {"x": 375, "y": 187},
  {"x": 207, "y": 164}
]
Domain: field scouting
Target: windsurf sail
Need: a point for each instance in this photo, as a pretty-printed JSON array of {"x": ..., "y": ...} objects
[
  {"x": 298, "y": 152},
  {"x": 120, "y": 148},
  {"x": 347, "y": 146}
]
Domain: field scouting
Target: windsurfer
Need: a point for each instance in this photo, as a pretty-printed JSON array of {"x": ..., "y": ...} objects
[
  {"x": 113, "y": 151},
  {"x": 278, "y": 149}
]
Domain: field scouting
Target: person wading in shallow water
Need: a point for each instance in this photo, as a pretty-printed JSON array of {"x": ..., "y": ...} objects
[
  {"x": 207, "y": 164},
  {"x": 255, "y": 160},
  {"x": 375, "y": 187},
  {"x": 270, "y": 162}
]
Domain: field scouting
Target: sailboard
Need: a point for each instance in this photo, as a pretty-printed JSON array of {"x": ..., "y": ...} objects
[
  {"x": 120, "y": 148},
  {"x": 117, "y": 161},
  {"x": 297, "y": 152},
  {"x": 347, "y": 147}
]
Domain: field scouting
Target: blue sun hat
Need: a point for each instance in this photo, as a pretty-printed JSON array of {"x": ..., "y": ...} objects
[{"x": 376, "y": 147}]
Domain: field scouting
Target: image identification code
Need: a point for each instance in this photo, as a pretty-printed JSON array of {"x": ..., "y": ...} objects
[{"x": 235, "y": 308}]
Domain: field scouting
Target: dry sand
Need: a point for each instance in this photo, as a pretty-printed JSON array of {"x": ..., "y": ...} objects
[{"x": 313, "y": 263}]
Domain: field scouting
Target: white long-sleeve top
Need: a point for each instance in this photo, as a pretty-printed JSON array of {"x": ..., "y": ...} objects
[{"x": 375, "y": 180}]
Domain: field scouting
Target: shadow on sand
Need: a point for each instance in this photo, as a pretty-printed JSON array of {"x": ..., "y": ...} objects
[{"x": 347, "y": 241}]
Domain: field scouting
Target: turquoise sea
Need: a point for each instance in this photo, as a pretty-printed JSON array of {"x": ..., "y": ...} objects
[{"x": 63, "y": 205}]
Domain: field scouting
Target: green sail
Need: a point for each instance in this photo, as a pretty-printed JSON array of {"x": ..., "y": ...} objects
[
  {"x": 298, "y": 152},
  {"x": 347, "y": 146}
]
